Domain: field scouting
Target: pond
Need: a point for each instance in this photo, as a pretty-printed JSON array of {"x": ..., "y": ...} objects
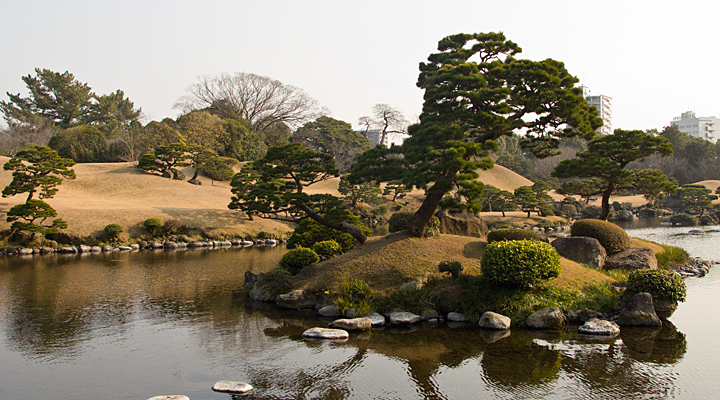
[{"x": 137, "y": 325}]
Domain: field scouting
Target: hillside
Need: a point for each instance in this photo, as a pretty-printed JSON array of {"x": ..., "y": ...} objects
[{"x": 120, "y": 193}]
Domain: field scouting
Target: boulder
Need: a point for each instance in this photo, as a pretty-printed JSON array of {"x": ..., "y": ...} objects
[
  {"x": 325, "y": 333},
  {"x": 376, "y": 319},
  {"x": 639, "y": 312},
  {"x": 257, "y": 291},
  {"x": 547, "y": 318},
  {"x": 624, "y": 215},
  {"x": 234, "y": 388},
  {"x": 195, "y": 182},
  {"x": 124, "y": 248},
  {"x": 456, "y": 317},
  {"x": 329, "y": 311},
  {"x": 599, "y": 327},
  {"x": 462, "y": 224},
  {"x": 583, "y": 315},
  {"x": 583, "y": 250},
  {"x": 631, "y": 259},
  {"x": 354, "y": 324},
  {"x": 491, "y": 320},
  {"x": 296, "y": 300},
  {"x": 403, "y": 318},
  {"x": 170, "y": 245},
  {"x": 350, "y": 313}
]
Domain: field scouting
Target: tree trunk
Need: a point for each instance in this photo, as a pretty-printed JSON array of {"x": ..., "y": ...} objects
[
  {"x": 353, "y": 230},
  {"x": 605, "y": 205},
  {"x": 419, "y": 220}
]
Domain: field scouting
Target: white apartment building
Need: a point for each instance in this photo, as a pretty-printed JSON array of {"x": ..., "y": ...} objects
[
  {"x": 702, "y": 127},
  {"x": 391, "y": 138},
  {"x": 604, "y": 106}
]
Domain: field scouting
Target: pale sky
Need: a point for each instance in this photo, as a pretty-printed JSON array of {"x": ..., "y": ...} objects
[{"x": 656, "y": 59}]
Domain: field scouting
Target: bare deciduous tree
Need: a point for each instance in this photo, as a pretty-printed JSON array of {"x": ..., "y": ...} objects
[
  {"x": 387, "y": 119},
  {"x": 37, "y": 130},
  {"x": 259, "y": 99}
]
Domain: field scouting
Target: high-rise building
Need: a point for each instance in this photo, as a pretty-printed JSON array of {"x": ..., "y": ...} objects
[
  {"x": 702, "y": 127},
  {"x": 604, "y": 106},
  {"x": 391, "y": 138}
]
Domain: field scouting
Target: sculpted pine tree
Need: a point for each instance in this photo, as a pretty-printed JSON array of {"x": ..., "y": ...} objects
[
  {"x": 476, "y": 92},
  {"x": 38, "y": 167},
  {"x": 606, "y": 159},
  {"x": 273, "y": 187}
]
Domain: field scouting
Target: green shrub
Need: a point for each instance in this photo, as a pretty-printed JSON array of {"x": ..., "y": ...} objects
[
  {"x": 433, "y": 227},
  {"x": 357, "y": 294},
  {"x": 684, "y": 219},
  {"x": 326, "y": 248},
  {"x": 171, "y": 227},
  {"x": 153, "y": 225},
  {"x": 295, "y": 260},
  {"x": 399, "y": 221},
  {"x": 612, "y": 237},
  {"x": 521, "y": 263},
  {"x": 453, "y": 267},
  {"x": 661, "y": 284},
  {"x": 113, "y": 231},
  {"x": 309, "y": 232},
  {"x": 671, "y": 257},
  {"x": 499, "y": 235}
]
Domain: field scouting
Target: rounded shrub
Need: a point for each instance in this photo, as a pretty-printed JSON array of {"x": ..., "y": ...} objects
[
  {"x": 520, "y": 263},
  {"x": 500, "y": 235},
  {"x": 612, "y": 237},
  {"x": 326, "y": 248},
  {"x": 399, "y": 221},
  {"x": 113, "y": 231},
  {"x": 295, "y": 260},
  {"x": 153, "y": 225},
  {"x": 453, "y": 267},
  {"x": 661, "y": 284}
]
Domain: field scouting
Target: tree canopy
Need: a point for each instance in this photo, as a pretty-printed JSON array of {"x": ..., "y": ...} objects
[
  {"x": 37, "y": 167},
  {"x": 475, "y": 92},
  {"x": 607, "y": 158},
  {"x": 331, "y": 136},
  {"x": 273, "y": 187},
  {"x": 259, "y": 99}
]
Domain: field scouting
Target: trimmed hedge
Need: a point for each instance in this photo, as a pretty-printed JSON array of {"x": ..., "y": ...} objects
[
  {"x": 326, "y": 248},
  {"x": 295, "y": 260},
  {"x": 521, "y": 263},
  {"x": 612, "y": 237},
  {"x": 661, "y": 284},
  {"x": 499, "y": 235},
  {"x": 399, "y": 221},
  {"x": 453, "y": 267}
]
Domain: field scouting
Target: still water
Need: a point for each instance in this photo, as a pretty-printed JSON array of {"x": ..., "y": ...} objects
[{"x": 133, "y": 326}]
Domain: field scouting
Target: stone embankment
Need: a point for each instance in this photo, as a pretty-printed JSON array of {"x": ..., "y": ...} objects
[
  {"x": 154, "y": 245},
  {"x": 695, "y": 267}
]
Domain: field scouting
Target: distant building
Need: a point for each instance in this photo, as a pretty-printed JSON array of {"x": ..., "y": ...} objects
[
  {"x": 703, "y": 127},
  {"x": 604, "y": 106},
  {"x": 391, "y": 138}
]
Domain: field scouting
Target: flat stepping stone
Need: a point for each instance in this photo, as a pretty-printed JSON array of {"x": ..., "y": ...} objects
[
  {"x": 376, "y": 319},
  {"x": 599, "y": 327},
  {"x": 170, "y": 397},
  {"x": 236, "y": 388},
  {"x": 325, "y": 333},
  {"x": 404, "y": 318}
]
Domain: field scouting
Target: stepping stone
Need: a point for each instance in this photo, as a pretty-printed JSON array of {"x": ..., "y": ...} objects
[
  {"x": 235, "y": 388},
  {"x": 325, "y": 333},
  {"x": 170, "y": 397},
  {"x": 599, "y": 327}
]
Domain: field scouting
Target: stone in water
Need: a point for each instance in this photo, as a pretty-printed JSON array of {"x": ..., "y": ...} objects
[{"x": 236, "y": 388}]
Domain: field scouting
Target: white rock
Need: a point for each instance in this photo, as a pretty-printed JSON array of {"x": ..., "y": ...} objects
[
  {"x": 170, "y": 397},
  {"x": 491, "y": 320},
  {"x": 325, "y": 333},
  {"x": 599, "y": 327},
  {"x": 404, "y": 318},
  {"x": 376, "y": 319},
  {"x": 236, "y": 388}
]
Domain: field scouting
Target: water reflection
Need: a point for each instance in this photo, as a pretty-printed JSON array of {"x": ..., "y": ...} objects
[{"x": 177, "y": 322}]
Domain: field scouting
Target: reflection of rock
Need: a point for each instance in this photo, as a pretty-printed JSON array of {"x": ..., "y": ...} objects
[
  {"x": 547, "y": 318},
  {"x": 354, "y": 324},
  {"x": 661, "y": 345},
  {"x": 639, "y": 312},
  {"x": 492, "y": 336},
  {"x": 631, "y": 259},
  {"x": 456, "y": 317},
  {"x": 583, "y": 250},
  {"x": 491, "y": 320},
  {"x": 599, "y": 327}
]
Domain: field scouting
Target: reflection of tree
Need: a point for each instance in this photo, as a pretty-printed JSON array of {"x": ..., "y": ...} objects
[
  {"x": 664, "y": 345},
  {"x": 518, "y": 360}
]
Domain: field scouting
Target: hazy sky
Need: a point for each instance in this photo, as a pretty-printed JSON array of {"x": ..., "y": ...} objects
[{"x": 655, "y": 59}]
